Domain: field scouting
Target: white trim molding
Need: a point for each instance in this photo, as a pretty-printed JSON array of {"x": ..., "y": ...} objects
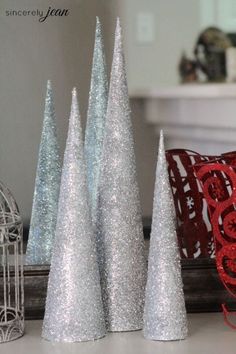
[{"x": 198, "y": 117}]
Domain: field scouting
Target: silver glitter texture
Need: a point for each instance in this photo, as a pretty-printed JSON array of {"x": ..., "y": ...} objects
[
  {"x": 120, "y": 235},
  {"x": 46, "y": 193},
  {"x": 74, "y": 309},
  {"x": 164, "y": 311},
  {"x": 96, "y": 118}
]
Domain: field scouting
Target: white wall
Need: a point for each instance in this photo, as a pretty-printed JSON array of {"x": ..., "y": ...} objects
[
  {"x": 177, "y": 25},
  {"x": 60, "y": 49}
]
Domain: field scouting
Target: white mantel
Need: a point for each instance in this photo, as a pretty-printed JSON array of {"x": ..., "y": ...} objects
[
  {"x": 200, "y": 117},
  {"x": 188, "y": 91},
  {"x": 208, "y": 333}
]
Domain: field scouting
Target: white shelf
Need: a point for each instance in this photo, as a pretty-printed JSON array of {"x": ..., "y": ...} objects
[
  {"x": 207, "y": 334},
  {"x": 224, "y": 90},
  {"x": 200, "y": 117}
]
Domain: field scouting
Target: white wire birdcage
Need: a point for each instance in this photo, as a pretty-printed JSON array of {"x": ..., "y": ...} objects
[{"x": 11, "y": 268}]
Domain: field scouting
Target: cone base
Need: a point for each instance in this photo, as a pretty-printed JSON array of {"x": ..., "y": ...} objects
[
  {"x": 124, "y": 328},
  {"x": 165, "y": 338},
  {"x": 30, "y": 262},
  {"x": 77, "y": 340}
]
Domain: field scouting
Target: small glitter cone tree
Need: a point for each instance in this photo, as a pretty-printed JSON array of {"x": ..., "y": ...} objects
[
  {"x": 74, "y": 309},
  {"x": 120, "y": 235},
  {"x": 164, "y": 311},
  {"x": 46, "y": 193},
  {"x": 96, "y": 118}
]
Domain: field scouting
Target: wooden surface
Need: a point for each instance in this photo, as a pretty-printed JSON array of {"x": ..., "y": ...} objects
[
  {"x": 203, "y": 290},
  {"x": 202, "y": 287}
]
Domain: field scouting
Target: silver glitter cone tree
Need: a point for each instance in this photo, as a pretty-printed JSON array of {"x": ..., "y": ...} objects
[
  {"x": 96, "y": 118},
  {"x": 164, "y": 311},
  {"x": 47, "y": 184},
  {"x": 120, "y": 235},
  {"x": 74, "y": 310}
]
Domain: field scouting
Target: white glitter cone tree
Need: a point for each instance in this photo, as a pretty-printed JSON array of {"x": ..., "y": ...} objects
[
  {"x": 96, "y": 118},
  {"x": 164, "y": 311},
  {"x": 74, "y": 309},
  {"x": 46, "y": 193},
  {"x": 120, "y": 237}
]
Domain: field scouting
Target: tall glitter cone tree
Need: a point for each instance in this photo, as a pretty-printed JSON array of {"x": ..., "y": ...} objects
[
  {"x": 96, "y": 118},
  {"x": 74, "y": 309},
  {"x": 120, "y": 236},
  {"x": 164, "y": 311},
  {"x": 46, "y": 193}
]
